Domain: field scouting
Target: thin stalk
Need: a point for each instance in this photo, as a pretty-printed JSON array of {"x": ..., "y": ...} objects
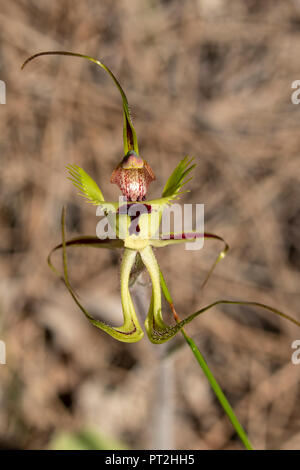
[
  {"x": 209, "y": 375},
  {"x": 218, "y": 392}
]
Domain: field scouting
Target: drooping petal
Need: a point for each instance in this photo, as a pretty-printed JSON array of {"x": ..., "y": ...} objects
[
  {"x": 154, "y": 318},
  {"x": 159, "y": 335},
  {"x": 130, "y": 331},
  {"x": 87, "y": 241},
  {"x": 177, "y": 238}
]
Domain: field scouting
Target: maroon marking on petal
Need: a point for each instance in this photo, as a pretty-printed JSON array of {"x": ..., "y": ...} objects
[
  {"x": 124, "y": 209},
  {"x": 126, "y": 332},
  {"x": 183, "y": 236},
  {"x": 190, "y": 236}
]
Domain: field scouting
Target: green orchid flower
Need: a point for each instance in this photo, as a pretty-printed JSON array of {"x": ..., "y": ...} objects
[
  {"x": 135, "y": 223},
  {"x": 135, "y": 234}
]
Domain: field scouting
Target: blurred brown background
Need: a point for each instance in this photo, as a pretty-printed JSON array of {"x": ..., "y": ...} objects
[{"x": 208, "y": 78}]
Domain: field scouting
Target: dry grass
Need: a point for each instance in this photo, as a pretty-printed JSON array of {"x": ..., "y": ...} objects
[{"x": 207, "y": 78}]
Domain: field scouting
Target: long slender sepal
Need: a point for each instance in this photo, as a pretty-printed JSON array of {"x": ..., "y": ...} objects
[
  {"x": 160, "y": 336},
  {"x": 87, "y": 241},
  {"x": 190, "y": 237},
  {"x": 130, "y": 319},
  {"x": 138, "y": 268},
  {"x": 158, "y": 332},
  {"x": 154, "y": 317},
  {"x": 129, "y": 134},
  {"x": 130, "y": 331}
]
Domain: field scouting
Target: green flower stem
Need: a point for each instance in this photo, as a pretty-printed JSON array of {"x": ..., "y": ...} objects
[
  {"x": 218, "y": 391},
  {"x": 209, "y": 375}
]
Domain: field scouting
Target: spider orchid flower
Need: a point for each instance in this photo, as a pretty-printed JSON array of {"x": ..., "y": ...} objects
[
  {"x": 135, "y": 223},
  {"x": 135, "y": 234}
]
